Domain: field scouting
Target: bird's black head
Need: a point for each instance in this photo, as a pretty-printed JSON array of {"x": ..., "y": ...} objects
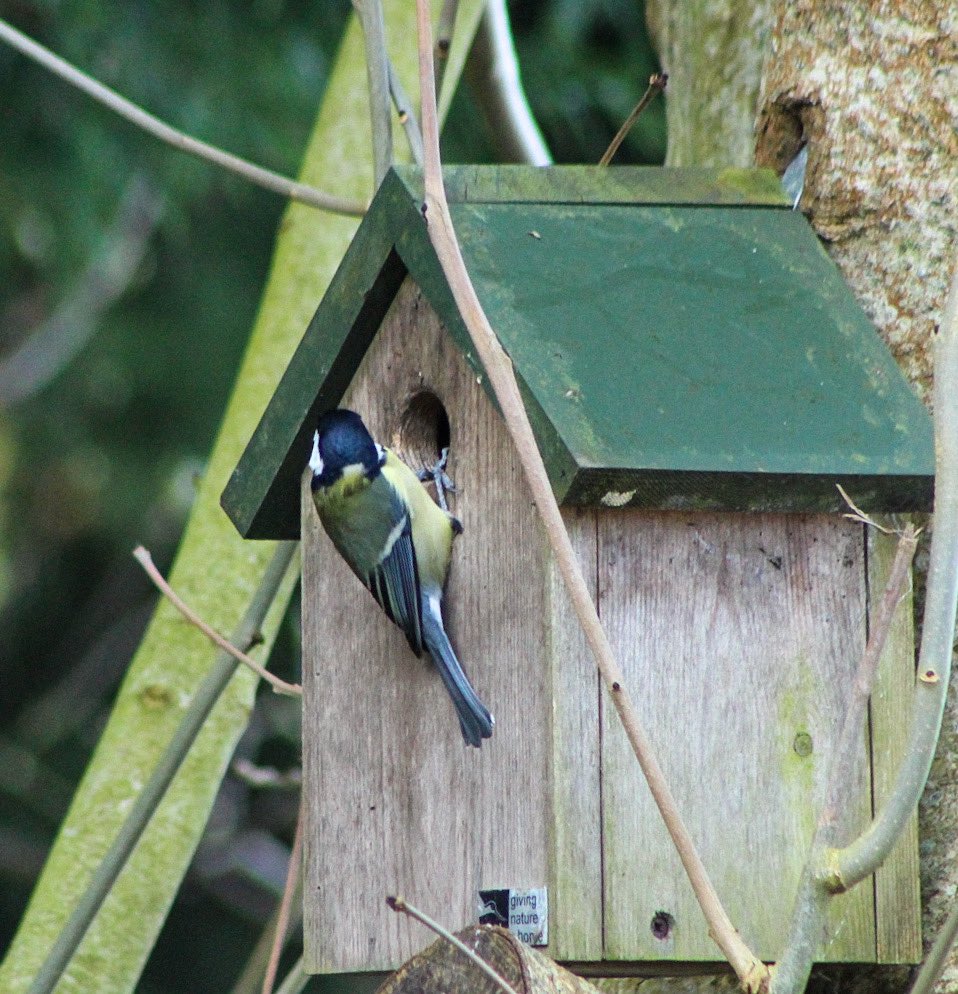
[{"x": 342, "y": 440}]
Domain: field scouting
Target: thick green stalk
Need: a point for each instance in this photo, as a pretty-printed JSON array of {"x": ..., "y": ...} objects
[
  {"x": 147, "y": 801},
  {"x": 831, "y": 871},
  {"x": 216, "y": 572},
  {"x": 855, "y": 862}
]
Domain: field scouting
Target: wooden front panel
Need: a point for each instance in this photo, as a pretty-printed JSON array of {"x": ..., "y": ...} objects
[
  {"x": 738, "y": 635},
  {"x": 576, "y": 839},
  {"x": 397, "y": 802},
  {"x": 897, "y": 890}
]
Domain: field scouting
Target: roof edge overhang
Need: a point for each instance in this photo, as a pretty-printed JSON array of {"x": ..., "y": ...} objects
[{"x": 262, "y": 496}]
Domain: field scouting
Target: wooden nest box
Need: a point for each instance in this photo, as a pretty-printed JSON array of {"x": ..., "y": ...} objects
[{"x": 699, "y": 379}]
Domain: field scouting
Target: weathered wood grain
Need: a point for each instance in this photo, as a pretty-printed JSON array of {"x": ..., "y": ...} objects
[
  {"x": 897, "y": 889},
  {"x": 737, "y": 634},
  {"x": 576, "y": 841},
  {"x": 397, "y": 802}
]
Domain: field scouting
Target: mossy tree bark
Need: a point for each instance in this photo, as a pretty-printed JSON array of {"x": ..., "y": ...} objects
[
  {"x": 713, "y": 52},
  {"x": 216, "y": 572}
]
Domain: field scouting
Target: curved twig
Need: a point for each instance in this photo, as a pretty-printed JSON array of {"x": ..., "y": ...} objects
[
  {"x": 149, "y": 798},
  {"x": 855, "y": 862},
  {"x": 282, "y": 919},
  {"x": 750, "y": 970},
  {"x": 657, "y": 83},
  {"x": 400, "y": 904},
  {"x": 185, "y": 143},
  {"x": 144, "y": 558},
  {"x": 813, "y": 894}
]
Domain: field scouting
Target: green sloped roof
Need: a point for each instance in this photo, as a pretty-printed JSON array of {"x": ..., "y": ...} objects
[{"x": 681, "y": 338}]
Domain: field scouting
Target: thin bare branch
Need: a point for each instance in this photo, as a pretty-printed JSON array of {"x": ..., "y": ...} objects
[
  {"x": 657, "y": 83},
  {"x": 399, "y": 904},
  {"x": 144, "y": 558},
  {"x": 250, "y": 978},
  {"x": 857, "y": 514},
  {"x": 50, "y": 347},
  {"x": 444, "y": 30},
  {"x": 493, "y": 73},
  {"x": 841, "y": 775},
  {"x": 159, "y": 129},
  {"x": 750, "y": 970},
  {"x": 373, "y": 22},
  {"x": 812, "y": 898},
  {"x": 407, "y": 114},
  {"x": 282, "y": 920}
]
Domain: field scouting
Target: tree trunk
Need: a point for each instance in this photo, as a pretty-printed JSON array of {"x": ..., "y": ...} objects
[
  {"x": 713, "y": 52},
  {"x": 872, "y": 87}
]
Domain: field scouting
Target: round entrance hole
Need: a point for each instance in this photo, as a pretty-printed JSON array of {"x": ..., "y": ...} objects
[{"x": 423, "y": 431}]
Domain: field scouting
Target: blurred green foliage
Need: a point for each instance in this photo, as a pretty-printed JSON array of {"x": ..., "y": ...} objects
[{"x": 107, "y": 453}]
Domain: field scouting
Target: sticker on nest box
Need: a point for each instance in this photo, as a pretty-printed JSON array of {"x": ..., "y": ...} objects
[{"x": 524, "y": 912}]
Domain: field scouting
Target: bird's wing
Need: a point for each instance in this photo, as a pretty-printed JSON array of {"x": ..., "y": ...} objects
[{"x": 394, "y": 581}]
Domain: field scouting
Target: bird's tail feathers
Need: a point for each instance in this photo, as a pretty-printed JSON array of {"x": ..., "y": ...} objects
[{"x": 474, "y": 718}]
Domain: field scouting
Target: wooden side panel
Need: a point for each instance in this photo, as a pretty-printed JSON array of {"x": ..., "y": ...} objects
[
  {"x": 576, "y": 897},
  {"x": 738, "y": 635},
  {"x": 397, "y": 802},
  {"x": 897, "y": 888}
]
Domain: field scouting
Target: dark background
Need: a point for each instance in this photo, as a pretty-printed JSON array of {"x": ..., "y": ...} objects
[{"x": 105, "y": 454}]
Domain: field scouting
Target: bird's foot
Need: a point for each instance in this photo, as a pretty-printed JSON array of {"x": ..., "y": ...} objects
[{"x": 437, "y": 474}]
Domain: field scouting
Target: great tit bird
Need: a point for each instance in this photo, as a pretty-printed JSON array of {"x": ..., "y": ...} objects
[{"x": 397, "y": 541}]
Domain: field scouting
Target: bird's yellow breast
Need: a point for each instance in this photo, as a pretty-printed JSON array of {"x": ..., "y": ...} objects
[{"x": 432, "y": 532}]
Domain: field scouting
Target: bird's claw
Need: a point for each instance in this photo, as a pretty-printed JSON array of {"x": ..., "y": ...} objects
[{"x": 438, "y": 476}]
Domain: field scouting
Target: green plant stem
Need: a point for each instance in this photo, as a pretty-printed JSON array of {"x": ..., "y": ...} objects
[
  {"x": 831, "y": 871},
  {"x": 812, "y": 897},
  {"x": 377, "y": 75},
  {"x": 865, "y": 855},
  {"x": 206, "y": 696},
  {"x": 934, "y": 965},
  {"x": 493, "y": 73}
]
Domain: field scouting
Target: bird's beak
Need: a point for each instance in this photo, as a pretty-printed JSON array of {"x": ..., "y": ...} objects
[{"x": 315, "y": 459}]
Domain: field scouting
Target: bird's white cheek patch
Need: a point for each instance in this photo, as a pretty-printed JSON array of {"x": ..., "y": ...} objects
[{"x": 315, "y": 459}]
